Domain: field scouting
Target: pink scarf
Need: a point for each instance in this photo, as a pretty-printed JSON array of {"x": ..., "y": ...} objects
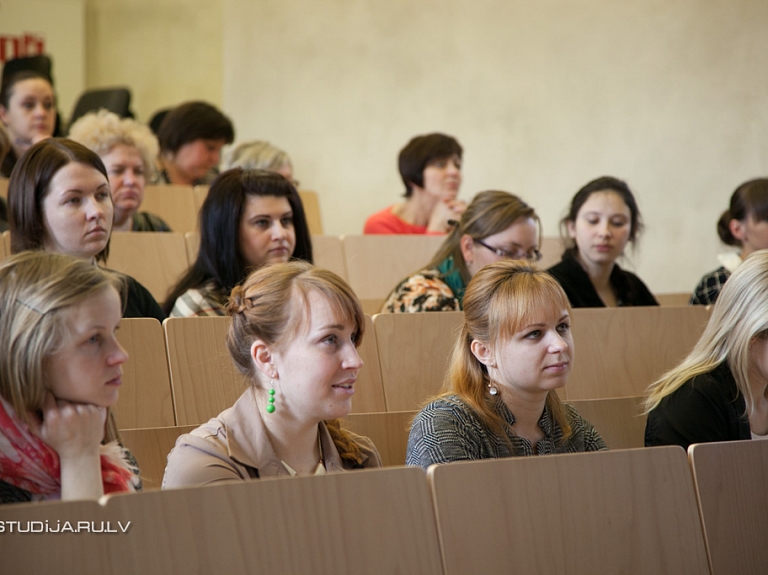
[{"x": 29, "y": 463}]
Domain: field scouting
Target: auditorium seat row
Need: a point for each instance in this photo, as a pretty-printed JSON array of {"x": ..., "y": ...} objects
[
  {"x": 640, "y": 511},
  {"x": 181, "y": 373}
]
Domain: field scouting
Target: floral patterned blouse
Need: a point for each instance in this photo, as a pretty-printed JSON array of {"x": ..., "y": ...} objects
[{"x": 436, "y": 289}]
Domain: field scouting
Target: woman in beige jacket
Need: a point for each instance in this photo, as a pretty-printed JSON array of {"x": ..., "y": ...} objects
[{"x": 294, "y": 335}]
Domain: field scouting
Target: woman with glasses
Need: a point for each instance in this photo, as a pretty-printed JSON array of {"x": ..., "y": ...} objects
[
  {"x": 496, "y": 225},
  {"x": 602, "y": 219}
]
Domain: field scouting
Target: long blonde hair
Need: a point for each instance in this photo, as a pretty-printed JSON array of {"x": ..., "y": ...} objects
[
  {"x": 35, "y": 287},
  {"x": 740, "y": 315},
  {"x": 500, "y": 299},
  {"x": 272, "y": 304}
]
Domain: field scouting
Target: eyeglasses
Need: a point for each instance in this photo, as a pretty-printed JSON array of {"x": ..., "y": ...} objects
[{"x": 533, "y": 255}]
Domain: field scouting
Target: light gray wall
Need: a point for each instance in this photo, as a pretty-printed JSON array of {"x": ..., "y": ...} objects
[{"x": 544, "y": 95}]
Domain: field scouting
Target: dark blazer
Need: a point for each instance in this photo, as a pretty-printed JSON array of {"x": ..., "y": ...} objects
[
  {"x": 629, "y": 289},
  {"x": 707, "y": 408}
]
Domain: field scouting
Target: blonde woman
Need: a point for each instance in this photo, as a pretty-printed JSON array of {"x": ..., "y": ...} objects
[
  {"x": 128, "y": 150},
  {"x": 260, "y": 155},
  {"x": 720, "y": 391},
  {"x": 294, "y": 335},
  {"x": 60, "y": 372},
  {"x": 496, "y": 225},
  {"x": 514, "y": 351}
]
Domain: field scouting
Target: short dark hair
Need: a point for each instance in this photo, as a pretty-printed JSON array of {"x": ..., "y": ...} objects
[
  {"x": 220, "y": 259},
  {"x": 604, "y": 184},
  {"x": 28, "y": 187},
  {"x": 8, "y": 83},
  {"x": 193, "y": 121},
  {"x": 749, "y": 199},
  {"x": 421, "y": 151}
]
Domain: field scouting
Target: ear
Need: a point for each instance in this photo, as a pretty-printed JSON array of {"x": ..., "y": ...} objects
[
  {"x": 263, "y": 358},
  {"x": 738, "y": 229},
  {"x": 571, "y": 227},
  {"x": 482, "y": 352},
  {"x": 3, "y": 114},
  {"x": 467, "y": 245}
]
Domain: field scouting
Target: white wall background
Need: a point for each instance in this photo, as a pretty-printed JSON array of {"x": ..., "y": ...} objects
[
  {"x": 62, "y": 24},
  {"x": 544, "y": 96}
]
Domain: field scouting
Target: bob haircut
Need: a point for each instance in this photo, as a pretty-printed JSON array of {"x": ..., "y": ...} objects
[
  {"x": 422, "y": 151},
  {"x": 220, "y": 259},
  {"x": 603, "y": 184},
  {"x": 257, "y": 155},
  {"x": 193, "y": 121},
  {"x": 29, "y": 184},
  {"x": 488, "y": 213},
  {"x": 750, "y": 199},
  {"x": 740, "y": 315},
  {"x": 35, "y": 287},
  {"x": 500, "y": 300},
  {"x": 6, "y": 90},
  {"x": 273, "y": 305},
  {"x": 103, "y": 130}
]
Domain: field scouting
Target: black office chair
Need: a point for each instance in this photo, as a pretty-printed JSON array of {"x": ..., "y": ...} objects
[{"x": 116, "y": 100}]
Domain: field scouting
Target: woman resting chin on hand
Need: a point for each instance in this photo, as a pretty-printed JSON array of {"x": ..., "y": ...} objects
[{"x": 60, "y": 376}]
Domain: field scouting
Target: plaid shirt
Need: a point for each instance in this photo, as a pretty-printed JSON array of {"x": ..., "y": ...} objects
[{"x": 709, "y": 287}]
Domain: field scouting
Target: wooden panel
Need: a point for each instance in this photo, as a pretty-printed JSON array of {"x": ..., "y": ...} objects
[
  {"x": 192, "y": 246},
  {"x": 388, "y": 431},
  {"x": 175, "y": 204},
  {"x": 631, "y": 511},
  {"x": 311, "y": 203},
  {"x": 377, "y": 263},
  {"x": 731, "y": 479},
  {"x": 156, "y": 259},
  {"x": 620, "y": 351},
  {"x": 64, "y": 552},
  {"x": 414, "y": 351},
  {"x": 145, "y": 395},
  {"x": 199, "y": 193},
  {"x": 205, "y": 381},
  {"x": 619, "y": 420},
  {"x": 377, "y": 521},
  {"x": 4, "y": 188},
  {"x": 150, "y": 447},
  {"x": 673, "y": 299},
  {"x": 551, "y": 249},
  {"x": 328, "y": 253},
  {"x": 369, "y": 389}
]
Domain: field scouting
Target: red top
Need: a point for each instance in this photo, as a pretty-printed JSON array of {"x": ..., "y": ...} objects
[{"x": 385, "y": 222}]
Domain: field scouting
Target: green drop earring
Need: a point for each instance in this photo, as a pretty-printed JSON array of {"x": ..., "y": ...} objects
[{"x": 271, "y": 401}]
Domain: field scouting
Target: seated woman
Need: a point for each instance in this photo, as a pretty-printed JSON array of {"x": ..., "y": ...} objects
[
  {"x": 191, "y": 137},
  {"x": 430, "y": 167},
  {"x": 260, "y": 155},
  {"x": 294, "y": 335},
  {"x": 128, "y": 150},
  {"x": 496, "y": 225},
  {"x": 59, "y": 375},
  {"x": 720, "y": 391},
  {"x": 249, "y": 218},
  {"x": 743, "y": 224},
  {"x": 59, "y": 201},
  {"x": 512, "y": 354},
  {"x": 602, "y": 219},
  {"x": 28, "y": 110}
]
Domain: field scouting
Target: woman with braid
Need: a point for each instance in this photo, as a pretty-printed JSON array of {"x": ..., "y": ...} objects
[{"x": 294, "y": 335}]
